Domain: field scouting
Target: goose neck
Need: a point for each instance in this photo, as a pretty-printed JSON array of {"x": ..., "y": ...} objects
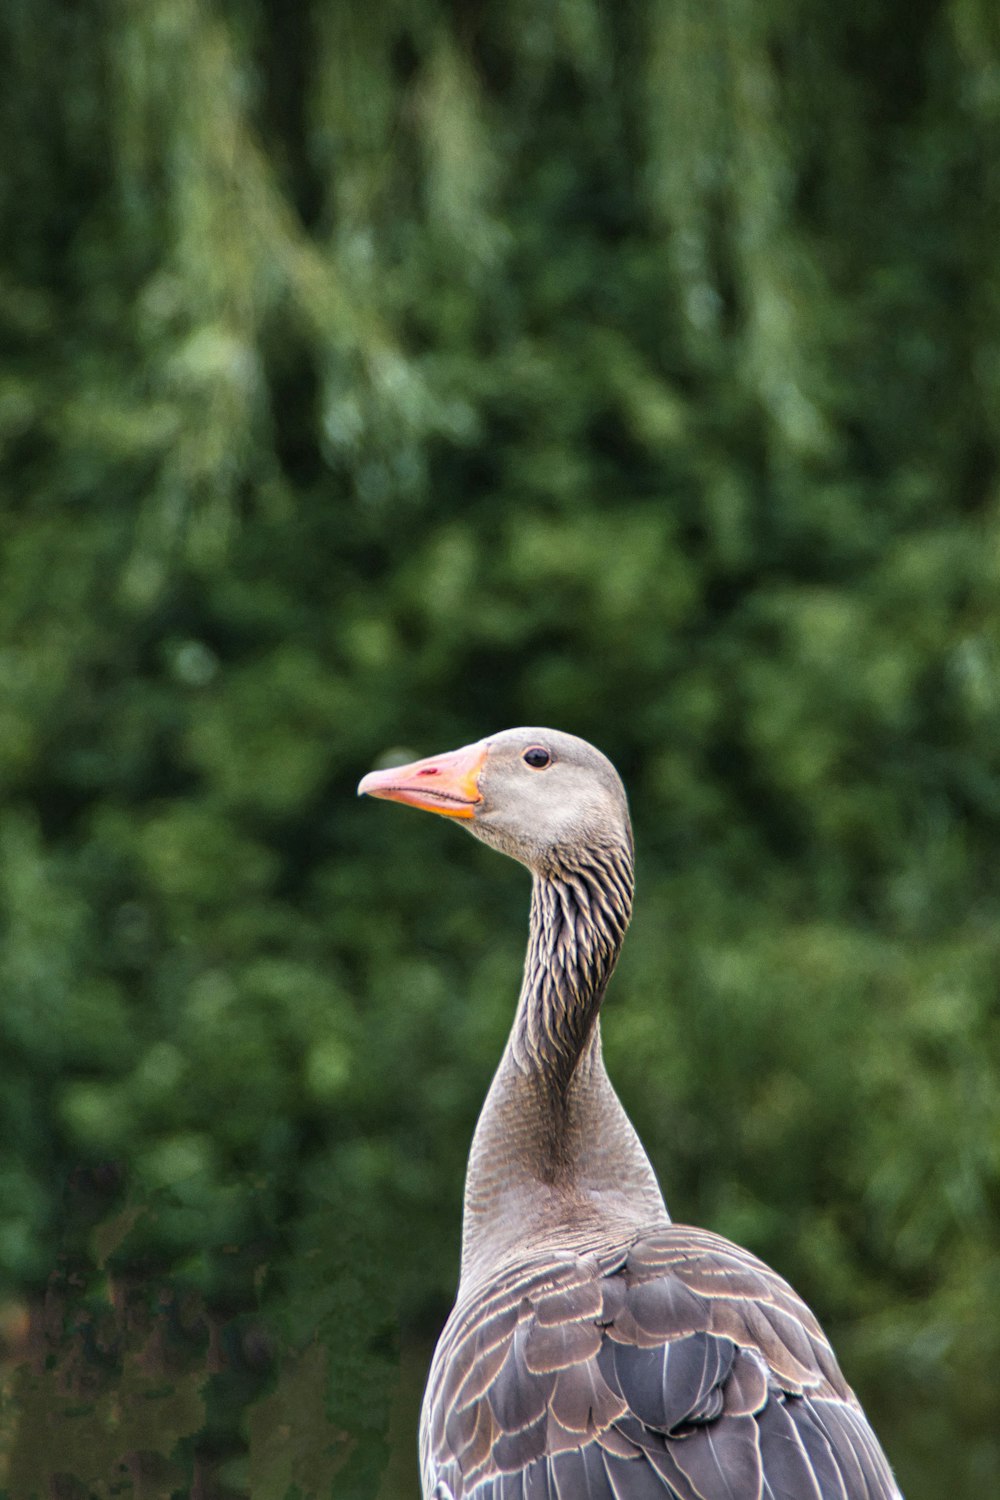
[{"x": 555, "y": 1160}]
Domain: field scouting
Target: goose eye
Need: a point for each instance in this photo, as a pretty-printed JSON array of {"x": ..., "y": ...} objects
[{"x": 537, "y": 758}]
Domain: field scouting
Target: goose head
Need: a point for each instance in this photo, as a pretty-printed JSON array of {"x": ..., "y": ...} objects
[{"x": 540, "y": 795}]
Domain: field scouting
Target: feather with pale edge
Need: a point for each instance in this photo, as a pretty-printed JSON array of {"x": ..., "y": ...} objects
[{"x": 678, "y": 1367}]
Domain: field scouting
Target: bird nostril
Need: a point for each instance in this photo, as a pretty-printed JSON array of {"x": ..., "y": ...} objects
[{"x": 429, "y": 771}]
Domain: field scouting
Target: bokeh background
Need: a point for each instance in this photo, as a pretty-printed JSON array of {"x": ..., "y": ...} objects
[{"x": 378, "y": 375}]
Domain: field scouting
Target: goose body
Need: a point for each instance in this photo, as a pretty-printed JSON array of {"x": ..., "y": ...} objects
[{"x": 596, "y": 1350}]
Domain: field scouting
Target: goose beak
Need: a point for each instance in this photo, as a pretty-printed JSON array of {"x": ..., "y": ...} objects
[{"x": 447, "y": 784}]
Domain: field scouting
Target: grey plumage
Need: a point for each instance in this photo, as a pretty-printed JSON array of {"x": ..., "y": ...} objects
[
  {"x": 674, "y": 1365},
  {"x": 597, "y": 1351}
]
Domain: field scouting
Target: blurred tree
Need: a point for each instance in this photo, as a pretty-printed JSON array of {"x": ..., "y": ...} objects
[{"x": 377, "y": 376}]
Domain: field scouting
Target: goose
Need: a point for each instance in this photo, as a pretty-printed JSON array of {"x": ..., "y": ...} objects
[{"x": 597, "y": 1350}]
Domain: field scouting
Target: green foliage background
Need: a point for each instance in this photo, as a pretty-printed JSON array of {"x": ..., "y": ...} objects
[{"x": 375, "y": 376}]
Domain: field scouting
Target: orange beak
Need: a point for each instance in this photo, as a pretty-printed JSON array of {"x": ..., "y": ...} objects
[{"x": 447, "y": 784}]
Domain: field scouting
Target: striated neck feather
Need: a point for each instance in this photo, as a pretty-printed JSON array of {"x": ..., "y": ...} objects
[
  {"x": 579, "y": 913},
  {"x": 554, "y": 1155}
]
